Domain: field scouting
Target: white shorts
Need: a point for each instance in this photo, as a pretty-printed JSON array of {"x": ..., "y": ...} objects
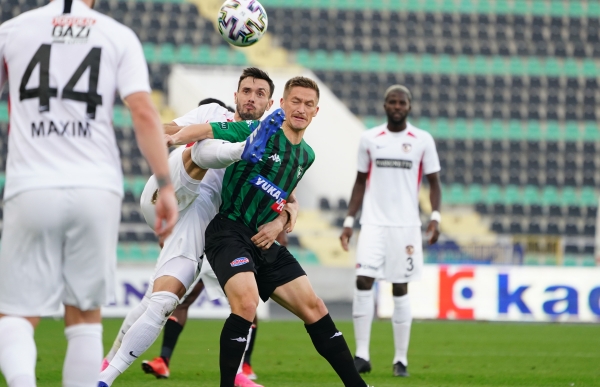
[
  {"x": 391, "y": 253},
  {"x": 186, "y": 189},
  {"x": 211, "y": 283},
  {"x": 58, "y": 247}
]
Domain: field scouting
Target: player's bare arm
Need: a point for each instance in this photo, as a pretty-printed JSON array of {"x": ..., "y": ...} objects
[
  {"x": 435, "y": 197},
  {"x": 358, "y": 193},
  {"x": 190, "y": 133},
  {"x": 171, "y": 128},
  {"x": 146, "y": 122},
  {"x": 292, "y": 207}
]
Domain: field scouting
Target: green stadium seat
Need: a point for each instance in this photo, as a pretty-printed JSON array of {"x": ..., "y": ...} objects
[
  {"x": 455, "y": 194},
  {"x": 572, "y": 131},
  {"x": 591, "y": 132},
  {"x": 493, "y": 195},
  {"x": 550, "y": 196},
  {"x": 474, "y": 194},
  {"x": 166, "y": 53},
  {"x": 531, "y": 195},
  {"x": 185, "y": 54},
  {"x": 512, "y": 194},
  {"x": 149, "y": 52},
  {"x": 569, "y": 196},
  {"x": 588, "y": 197}
]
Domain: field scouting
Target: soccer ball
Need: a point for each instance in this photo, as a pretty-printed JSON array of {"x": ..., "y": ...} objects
[{"x": 242, "y": 22}]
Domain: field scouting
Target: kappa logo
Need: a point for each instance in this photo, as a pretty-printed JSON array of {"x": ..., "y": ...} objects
[
  {"x": 239, "y": 261},
  {"x": 300, "y": 172},
  {"x": 275, "y": 157}
]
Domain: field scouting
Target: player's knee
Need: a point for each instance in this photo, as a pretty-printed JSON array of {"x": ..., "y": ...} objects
[
  {"x": 245, "y": 307},
  {"x": 399, "y": 290},
  {"x": 364, "y": 283},
  {"x": 314, "y": 309},
  {"x": 162, "y": 305}
]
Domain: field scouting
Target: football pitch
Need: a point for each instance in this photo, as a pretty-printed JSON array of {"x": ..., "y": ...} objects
[{"x": 441, "y": 354}]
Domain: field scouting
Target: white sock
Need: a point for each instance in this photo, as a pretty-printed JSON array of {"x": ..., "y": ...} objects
[
  {"x": 363, "y": 309},
  {"x": 84, "y": 355},
  {"x": 401, "y": 322},
  {"x": 131, "y": 317},
  {"x": 247, "y": 345},
  {"x": 141, "y": 335},
  {"x": 216, "y": 154},
  {"x": 18, "y": 353}
]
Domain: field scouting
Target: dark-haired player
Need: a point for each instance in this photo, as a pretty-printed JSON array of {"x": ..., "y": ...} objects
[
  {"x": 392, "y": 159},
  {"x": 198, "y": 193},
  {"x": 254, "y": 194}
]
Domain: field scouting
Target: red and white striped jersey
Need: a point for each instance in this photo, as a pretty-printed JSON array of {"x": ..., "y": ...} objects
[
  {"x": 395, "y": 162},
  {"x": 64, "y": 63}
]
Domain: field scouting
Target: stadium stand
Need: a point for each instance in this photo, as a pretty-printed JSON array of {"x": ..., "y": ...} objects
[{"x": 508, "y": 89}]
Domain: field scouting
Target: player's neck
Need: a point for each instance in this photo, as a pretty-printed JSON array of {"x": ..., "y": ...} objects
[
  {"x": 399, "y": 127},
  {"x": 293, "y": 136}
]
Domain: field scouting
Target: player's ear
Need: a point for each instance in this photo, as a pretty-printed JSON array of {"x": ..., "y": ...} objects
[
  {"x": 269, "y": 104},
  {"x": 316, "y": 111},
  {"x": 235, "y": 97},
  {"x": 281, "y": 102}
]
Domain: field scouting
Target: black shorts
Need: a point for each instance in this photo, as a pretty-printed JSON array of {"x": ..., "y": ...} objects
[{"x": 230, "y": 251}]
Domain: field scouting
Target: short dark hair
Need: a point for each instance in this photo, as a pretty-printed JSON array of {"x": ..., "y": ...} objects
[
  {"x": 207, "y": 101},
  {"x": 301, "y": 82},
  {"x": 256, "y": 73}
]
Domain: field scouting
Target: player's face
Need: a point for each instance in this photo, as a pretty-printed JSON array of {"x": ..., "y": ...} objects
[
  {"x": 300, "y": 106},
  {"x": 252, "y": 98},
  {"x": 397, "y": 107}
]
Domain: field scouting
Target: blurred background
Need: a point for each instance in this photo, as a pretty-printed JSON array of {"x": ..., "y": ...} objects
[{"x": 508, "y": 89}]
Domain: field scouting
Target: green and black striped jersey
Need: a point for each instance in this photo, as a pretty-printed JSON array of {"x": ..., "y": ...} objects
[{"x": 255, "y": 194}]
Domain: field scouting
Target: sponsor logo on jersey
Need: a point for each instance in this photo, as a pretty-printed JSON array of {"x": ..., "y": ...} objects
[
  {"x": 71, "y": 29},
  {"x": 410, "y": 250},
  {"x": 406, "y": 147},
  {"x": 263, "y": 184},
  {"x": 390, "y": 163},
  {"x": 239, "y": 261},
  {"x": 275, "y": 157}
]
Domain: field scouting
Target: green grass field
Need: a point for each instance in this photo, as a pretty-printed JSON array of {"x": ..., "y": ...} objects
[{"x": 441, "y": 354}]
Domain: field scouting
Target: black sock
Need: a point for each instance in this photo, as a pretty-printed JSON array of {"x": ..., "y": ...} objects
[
  {"x": 330, "y": 344},
  {"x": 172, "y": 331},
  {"x": 248, "y": 353},
  {"x": 233, "y": 343}
]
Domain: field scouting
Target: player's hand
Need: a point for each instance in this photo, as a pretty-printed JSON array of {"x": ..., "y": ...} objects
[
  {"x": 267, "y": 233},
  {"x": 433, "y": 232},
  {"x": 166, "y": 212},
  {"x": 345, "y": 237},
  {"x": 292, "y": 210},
  {"x": 169, "y": 141}
]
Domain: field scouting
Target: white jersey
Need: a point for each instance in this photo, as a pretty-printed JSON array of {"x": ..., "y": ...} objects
[
  {"x": 64, "y": 63},
  {"x": 395, "y": 163}
]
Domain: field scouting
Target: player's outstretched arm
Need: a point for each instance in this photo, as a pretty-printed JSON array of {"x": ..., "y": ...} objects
[
  {"x": 191, "y": 133},
  {"x": 171, "y": 128},
  {"x": 358, "y": 193},
  {"x": 435, "y": 198},
  {"x": 149, "y": 135}
]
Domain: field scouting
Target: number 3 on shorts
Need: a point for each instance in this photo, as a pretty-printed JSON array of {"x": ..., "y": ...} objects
[{"x": 410, "y": 267}]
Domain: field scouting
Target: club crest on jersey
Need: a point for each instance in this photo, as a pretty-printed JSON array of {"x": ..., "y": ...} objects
[
  {"x": 71, "y": 29},
  {"x": 300, "y": 172},
  {"x": 410, "y": 249},
  {"x": 239, "y": 261},
  {"x": 406, "y": 148}
]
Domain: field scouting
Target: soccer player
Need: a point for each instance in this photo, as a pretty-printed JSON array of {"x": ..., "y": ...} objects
[
  {"x": 198, "y": 201},
  {"x": 391, "y": 161},
  {"x": 254, "y": 194},
  {"x": 64, "y": 63}
]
